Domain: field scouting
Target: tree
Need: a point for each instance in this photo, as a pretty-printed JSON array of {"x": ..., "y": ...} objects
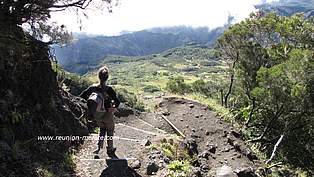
[
  {"x": 271, "y": 59},
  {"x": 36, "y": 13}
]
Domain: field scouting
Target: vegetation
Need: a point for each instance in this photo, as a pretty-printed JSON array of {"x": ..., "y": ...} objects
[
  {"x": 70, "y": 82},
  {"x": 31, "y": 101},
  {"x": 85, "y": 54},
  {"x": 180, "y": 163},
  {"x": 179, "y": 168},
  {"x": 264, "y": 82},
  {"x": 270, "y": 60},
  {"x": 149, "y": 77}
]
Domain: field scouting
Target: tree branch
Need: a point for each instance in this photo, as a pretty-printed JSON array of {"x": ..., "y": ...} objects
[{"x": 275, "y": 148}]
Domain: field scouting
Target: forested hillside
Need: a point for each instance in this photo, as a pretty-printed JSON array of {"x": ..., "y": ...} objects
[
  {"x": 85, "y": 53},
  {"x": 271, "y": 77}
]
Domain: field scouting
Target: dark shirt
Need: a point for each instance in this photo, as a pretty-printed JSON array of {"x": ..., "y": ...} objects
[{"x": 112, "y": 94}]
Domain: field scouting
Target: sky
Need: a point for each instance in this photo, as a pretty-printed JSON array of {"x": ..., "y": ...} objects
[{"x": 136, "y": 15}]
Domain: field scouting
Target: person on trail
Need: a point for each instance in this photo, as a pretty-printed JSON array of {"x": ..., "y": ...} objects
[{"x": 102, "y": 102}]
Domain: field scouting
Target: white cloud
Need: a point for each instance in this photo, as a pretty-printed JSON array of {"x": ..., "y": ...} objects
[{"x": 133, "y": 15}]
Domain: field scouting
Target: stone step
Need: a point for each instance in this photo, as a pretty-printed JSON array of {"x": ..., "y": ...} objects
[
  {"x": 157, "y": 122},
  {"x": 136, "y": 122}
]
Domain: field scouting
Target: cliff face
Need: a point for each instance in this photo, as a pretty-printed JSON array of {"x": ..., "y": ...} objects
[{"x": 31, "y": 105}]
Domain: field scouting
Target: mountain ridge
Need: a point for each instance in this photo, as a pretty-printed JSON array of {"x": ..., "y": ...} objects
[{"x": 90, "y": 51}]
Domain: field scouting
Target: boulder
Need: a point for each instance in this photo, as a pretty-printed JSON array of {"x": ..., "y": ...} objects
[{"x": 151, "y": 168}]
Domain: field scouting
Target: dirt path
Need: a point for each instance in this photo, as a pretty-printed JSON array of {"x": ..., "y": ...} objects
[
  {"x": 218, "y": 143},
  {"x": 211, "y": 133},
  {"x": 130, "y": 132}
]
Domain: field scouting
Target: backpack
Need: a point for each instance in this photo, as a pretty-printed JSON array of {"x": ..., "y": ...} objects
[{"x": 98, "y": 104}]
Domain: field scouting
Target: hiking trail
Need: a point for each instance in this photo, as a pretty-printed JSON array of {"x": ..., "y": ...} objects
[{"x": 218, "y": 143}]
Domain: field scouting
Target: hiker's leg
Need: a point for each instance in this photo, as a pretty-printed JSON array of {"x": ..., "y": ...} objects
[
  {"x": 110, "y": 132},
  {"x": 110, "y": 139},
  {"x": 102, "y": 134}
]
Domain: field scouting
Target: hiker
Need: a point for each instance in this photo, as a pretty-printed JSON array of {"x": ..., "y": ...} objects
[{"x": 102, "y": 102}]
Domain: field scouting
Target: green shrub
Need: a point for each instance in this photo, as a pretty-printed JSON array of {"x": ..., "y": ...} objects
[
  {"x": 179, "y": 168},
  {"x": 68, "y": 161},
  {"x": 177, "y": 85},
  {"x": 151, "y": 88},
  {"x": 130, "y": 99}
]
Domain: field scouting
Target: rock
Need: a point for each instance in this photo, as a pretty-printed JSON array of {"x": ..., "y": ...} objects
[
  {"x": 236, "y": 134},
  {"x": 166, "y": 160},
  {"x": 207, "y": 132},
  {"x": 191, "y": 146},
  {"x": 225, "y": 171},
  {"x": 250, "y": 155},
  {"x": 193, "y": 130},
  {"x": 170, "y": 141},
  {"x": 245, "y": 172},
  {"x": 151, "y": 168},
  {"x": 204, "y": 167},
  {"x": 161, "y": 164},
  {"x": 166, "y": 113},
  {"x": 205, "y": 154},
  {"x": 164, "y": 140},
  {"x": 230, "y": 140},
  {"x": 211, "y": 148},
  {"x": 195, "y": 136},
  {"x": 179, "y": 101},
  {"x": 226, "y": 149},
  {"x": 225, "y": 134},
  {"x": 196, "y": 171},
  {"x": 145, "y": 142},
  {"x": 191, "y": 105},
  {"x": 198, "y": 116},
  {"x": 136, "y": 164}
]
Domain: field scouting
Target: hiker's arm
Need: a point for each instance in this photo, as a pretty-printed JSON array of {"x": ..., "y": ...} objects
[
  {"x": 85, "y": 94},
  {"x": 114, "y": 96}
]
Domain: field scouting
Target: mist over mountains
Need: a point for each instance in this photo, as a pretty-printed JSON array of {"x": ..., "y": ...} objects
[
  {"x": 289, "y": 7},
  {"x": 86, "y": 52}
]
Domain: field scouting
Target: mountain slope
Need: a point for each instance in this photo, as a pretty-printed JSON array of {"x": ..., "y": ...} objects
[
  {"x": 289, "y": 7},
  {"x": 85, "y": 53}
]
